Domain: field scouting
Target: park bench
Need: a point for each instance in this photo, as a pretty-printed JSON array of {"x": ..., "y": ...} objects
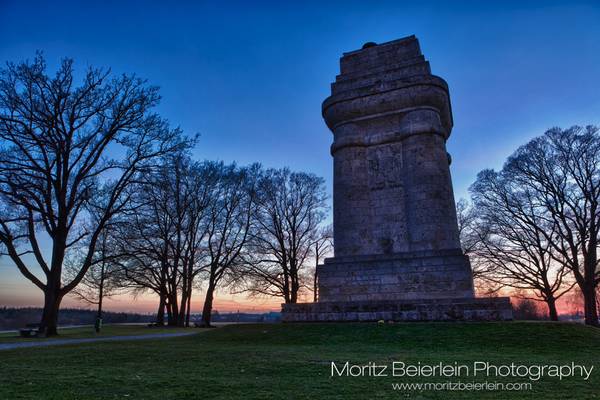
[{"x": 30, "y": 330}]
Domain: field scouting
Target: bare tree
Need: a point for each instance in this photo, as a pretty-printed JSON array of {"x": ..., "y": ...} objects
[
  {"x": 511, "y": 245},
  {"x": 160, "y": 244},
  {"x": 290, "y": 209},
  {"x": 143, "y": 253},
  {"x": 55, "y": 164},
  {"x": 228, "y": 228},
  {"x": 561, "y": 171}
]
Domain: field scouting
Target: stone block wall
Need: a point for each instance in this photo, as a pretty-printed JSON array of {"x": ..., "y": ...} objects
[
  {"x": 419, "y": 275},
  {"x": 484, "y": 309}
]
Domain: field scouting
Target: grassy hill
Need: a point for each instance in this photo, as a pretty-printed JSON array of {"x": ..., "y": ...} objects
[{"x": 294, "y": 362}]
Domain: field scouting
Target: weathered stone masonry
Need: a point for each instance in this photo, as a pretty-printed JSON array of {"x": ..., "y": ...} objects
[{"x": 395, "y": 231}]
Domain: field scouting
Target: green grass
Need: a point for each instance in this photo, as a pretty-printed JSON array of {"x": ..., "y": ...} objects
[
  {"x": 88, "y": 332},
  {"x": 284, "y": 361}
]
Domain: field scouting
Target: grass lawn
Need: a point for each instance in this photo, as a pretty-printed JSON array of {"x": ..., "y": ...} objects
[
  {"x": 88, "y": 332},
  {"x": 292, "y": 361}
]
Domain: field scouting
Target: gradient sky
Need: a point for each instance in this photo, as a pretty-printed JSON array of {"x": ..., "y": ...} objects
[{"x": 250, "y": 76}]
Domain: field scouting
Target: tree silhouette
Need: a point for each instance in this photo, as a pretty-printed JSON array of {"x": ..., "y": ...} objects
[{"x": 57, "y": 177}]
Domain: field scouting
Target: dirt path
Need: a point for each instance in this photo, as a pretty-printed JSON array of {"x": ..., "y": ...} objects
[{"x": 58, "y": 342}]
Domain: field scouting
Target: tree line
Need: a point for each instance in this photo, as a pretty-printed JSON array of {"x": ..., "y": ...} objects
[
  {"x": 100, "y": 194},
  {"x": 534, "y": 225}
]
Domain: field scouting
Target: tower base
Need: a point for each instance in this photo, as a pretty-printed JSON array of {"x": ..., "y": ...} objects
[
  {"x": 433, "y": 274},
  {"x": 462, "y": 309}
]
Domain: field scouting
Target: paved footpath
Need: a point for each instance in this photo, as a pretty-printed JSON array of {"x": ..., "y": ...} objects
[{"x": 58, "y": 342}]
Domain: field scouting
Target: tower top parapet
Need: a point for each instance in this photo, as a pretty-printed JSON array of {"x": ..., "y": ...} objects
[{"x": 391, "y": 77}]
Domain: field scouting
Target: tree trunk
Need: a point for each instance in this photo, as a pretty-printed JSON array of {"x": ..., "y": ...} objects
[
  {"x": 189, "y": 305},
  {"x": 208, "y": 304},
  {"x": 294, "y": 295},
  {"x": 589, "y": 287},
  {"x": 169, "y": 311},
  {"x": 295, "y": 288},
  {"x": 184, "y": 299},
  {"x": 52, "y": 292},
  {"x": 160, "y": 314},
  {"x": 173, "y": 316},
  {"x": 286, "y": 284},
  {"x": 174, "y": 313},
  {"x": 552, "y": 313},
  {"x": 182, "y": 308},
  {"x": 590, "y": 310},
  {"x": 49, "y": 323},
  {"x": 98, "y": 323}
]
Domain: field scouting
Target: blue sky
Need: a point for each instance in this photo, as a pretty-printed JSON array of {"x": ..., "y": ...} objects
[{"x": 250, "y": 76}]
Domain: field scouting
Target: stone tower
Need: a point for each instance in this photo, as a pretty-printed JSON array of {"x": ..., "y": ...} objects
[
  {"x": 397, "y": 248},
  {"x": 390, "y": 120}
]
